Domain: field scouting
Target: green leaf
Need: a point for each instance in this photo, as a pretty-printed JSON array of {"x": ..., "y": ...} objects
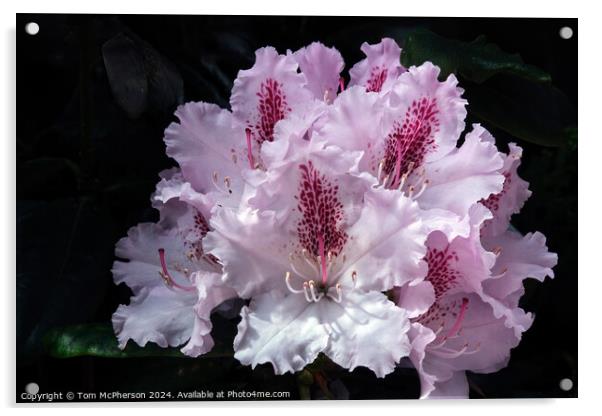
[
  {"x": 476, "y": 61},
  {"x": 98, "y": 340},
  {"x": 536, "y": 113}
]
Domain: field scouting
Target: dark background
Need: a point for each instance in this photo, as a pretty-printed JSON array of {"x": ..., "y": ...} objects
[{"x": 89, "y": 148}]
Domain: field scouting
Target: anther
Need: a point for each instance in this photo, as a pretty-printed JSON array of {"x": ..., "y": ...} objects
[{"x": 249, "y": 148}]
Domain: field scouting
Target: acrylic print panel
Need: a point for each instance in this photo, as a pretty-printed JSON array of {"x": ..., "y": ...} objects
[{"x": 295, "y": 208}]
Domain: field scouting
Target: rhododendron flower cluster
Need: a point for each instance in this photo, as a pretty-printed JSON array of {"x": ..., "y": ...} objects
[{"x": 355, "y": 221}]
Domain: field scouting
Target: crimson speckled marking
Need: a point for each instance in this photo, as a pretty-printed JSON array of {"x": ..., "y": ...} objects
[
  {"x": 378, "y": 76},
  {"x": 443, "y": 276},
  {"x": 272, "y": 107},
  {"x": 412, "y": 138},
  {"x": 493, "y": 202},
  {"x": 321, "y": 212},
  {"x": 441, "y": 273}
]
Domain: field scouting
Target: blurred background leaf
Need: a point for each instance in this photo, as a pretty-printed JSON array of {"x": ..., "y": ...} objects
[
  {"x": 98, "y": 340},
  {"x": 476, "y": 61}
]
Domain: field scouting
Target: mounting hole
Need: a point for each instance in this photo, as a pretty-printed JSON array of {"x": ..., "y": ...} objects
[
  {"x": 566, "y": 384},
  {"x": 566, "y": 32},
  {"x": 32, "y": 28},
  {"x": 32, "y": 388}
]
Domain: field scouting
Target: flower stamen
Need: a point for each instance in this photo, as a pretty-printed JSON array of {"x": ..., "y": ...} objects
[
  {"x": 458, "y": 323},
  {"x": 287, "y": 280},
  {"x": 312, "y": 289},
  {"x": 306, "y": 291},
  {"x": 169, "y": 281},
  {"x": 322, "y": 259},
  {"x": 249, "y": 149},
  {"x": 339, "y": 293}
]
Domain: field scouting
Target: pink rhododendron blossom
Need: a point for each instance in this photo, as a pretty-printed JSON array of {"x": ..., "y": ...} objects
[
  {"x": 409, "y": 141},
  {"x": 474, "y": 320},
  {"x": 313, "y": 266},
  {"x": 175, "y": 284},
  {"x": 380, "y": 68},
  {"x": 358, "y": 223}
]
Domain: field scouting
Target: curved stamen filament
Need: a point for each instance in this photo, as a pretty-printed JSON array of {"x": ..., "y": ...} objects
[
  {"x": 339, "y": 294},
  {"x": 322, "y": 259},
  {"x": 342, "y": 84},
  {"x": 424, "y": 185},
  {"x": 379, "y": 173},
  {"x": 169, "y": 281},
  {"x": 309, "y": 260},
  {"x": 306, "y": 291},
  {"x": 458, "y": 323},
  {"x": 354, "y": 278},
  {"x": 397, "y": 164},
  {"x": 287, "y": 279},
  {"x": 249, "y": 149},
  {"x": 312, "y": 289}
]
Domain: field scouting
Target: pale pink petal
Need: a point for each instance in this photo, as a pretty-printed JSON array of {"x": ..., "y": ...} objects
[
  {"x": 322, "y": 68},
  {"x": 464, "y": 176},
  {"x": 353, "y": 123},
  {"x": 420, "y": 337},
  {"x": 461, "y": 264},
  {"x": 209, "y": 147},
  {"x": 386, "y": 250},
  {"x": 415, "y": 297},
  {"x": 282, "y": 330},
  {"x": 252, "y": 248},
  {"x": 211, "y": 292},
  {"x": 519, "y": 257},
  {"x": 267, "y": 93},
  {"x": 155, "y": 314},
  {"x": 380, "y": 68},
  {"x": 454, "y": 388},
  {"x": 365, "y": 329},
  {"x": 447, "y": 222},
  {"x": 200, "y": 341},
  {"x": 482, "y": 343},
  {"x": 141, "y": 248},
  {"x": 512, "y": 196},
  {"x": 174, "y": 196},
  {"x": 290, "y": 133}
]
